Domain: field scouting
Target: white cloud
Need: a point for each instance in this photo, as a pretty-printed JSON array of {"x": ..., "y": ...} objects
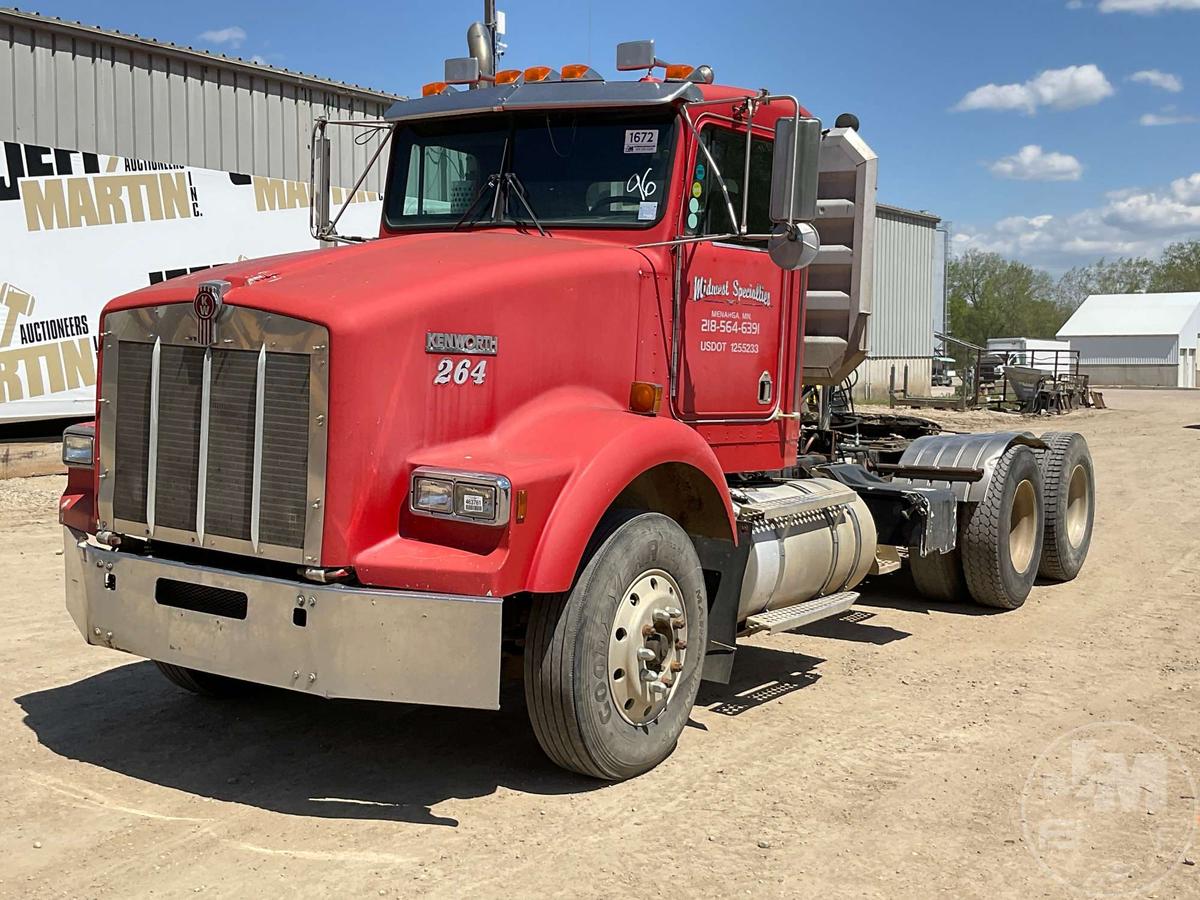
[
  {"x": 1067, "y": 88},
  {"x": 1074, "y": 4},
  {"x": 1146, "y": 7},
  {"x": 1167, "y": 118},
  {"x": 1155, "y": 78},
  {"x": 1032, "y": 163},
  {"x": 1131, "y": 222},
  {"x": 233, "y": 36}
]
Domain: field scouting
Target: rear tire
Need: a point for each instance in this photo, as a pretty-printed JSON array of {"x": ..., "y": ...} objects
[
  {"x": 939, "y": 576},
  {"x": 206, "y": 684},
  {"x": 591, "y": 709},
  {"x": 1002, "y": 540},
  {"x": 1070, "y": 491}
]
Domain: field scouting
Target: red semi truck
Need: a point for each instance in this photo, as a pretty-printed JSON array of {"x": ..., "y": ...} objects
[{"x": 555, "y": 408}]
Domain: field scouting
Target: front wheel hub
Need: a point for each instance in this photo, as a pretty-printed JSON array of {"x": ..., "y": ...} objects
[{"x": 647, "y": 647}]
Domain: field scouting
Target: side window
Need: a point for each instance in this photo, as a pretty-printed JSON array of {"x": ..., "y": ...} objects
[{"x": 708, "y": 213}]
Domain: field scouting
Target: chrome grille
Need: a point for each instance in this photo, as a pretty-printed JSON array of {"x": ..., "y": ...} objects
[{"x": 221, "y": 446}]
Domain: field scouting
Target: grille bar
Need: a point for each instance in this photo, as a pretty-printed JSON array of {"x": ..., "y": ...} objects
[
  {"x": 202, "y": 471},
  {"x": 152, "y": 437},
  {"x": 260, "y": 394}
]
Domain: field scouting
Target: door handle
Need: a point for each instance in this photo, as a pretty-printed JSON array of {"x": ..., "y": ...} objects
[{"x": 765, "y": 388}]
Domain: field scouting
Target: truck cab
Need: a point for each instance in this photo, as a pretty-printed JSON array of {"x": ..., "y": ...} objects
[{"x": 553, "y": 409}]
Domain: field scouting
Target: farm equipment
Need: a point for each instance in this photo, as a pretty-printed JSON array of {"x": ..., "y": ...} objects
[{"x": 555, "y": 410}]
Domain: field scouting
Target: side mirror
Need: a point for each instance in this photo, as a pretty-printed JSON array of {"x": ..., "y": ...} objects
[
  {"x": 319, "y": 188},
  {"x": 794, "y": 170},
  {"x": 633, "y": 55}
]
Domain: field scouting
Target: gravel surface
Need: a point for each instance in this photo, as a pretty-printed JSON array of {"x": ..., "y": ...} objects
[{"x": 905, "y": 749}]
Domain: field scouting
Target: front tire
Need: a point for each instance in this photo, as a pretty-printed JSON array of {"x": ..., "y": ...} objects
[
  {"x": 205, "y": 684},
  {"x": 598, "y": 706}
]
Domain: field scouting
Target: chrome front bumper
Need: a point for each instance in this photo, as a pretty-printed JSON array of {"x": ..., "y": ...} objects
[{"x": 355, "y": 643}]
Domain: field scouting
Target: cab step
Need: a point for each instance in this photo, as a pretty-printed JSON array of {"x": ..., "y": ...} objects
[{"x": 788, "y": 617}]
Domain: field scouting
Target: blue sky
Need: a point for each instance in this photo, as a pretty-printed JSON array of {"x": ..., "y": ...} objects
[{"x": 1025, "y": 124}]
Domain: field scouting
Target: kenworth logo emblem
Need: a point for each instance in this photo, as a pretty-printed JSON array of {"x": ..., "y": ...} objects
[
  {"x": 467, "y": 344},
  {"x": 207, "y": 306}
]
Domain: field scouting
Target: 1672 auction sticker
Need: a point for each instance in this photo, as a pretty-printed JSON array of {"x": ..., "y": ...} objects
[{"x": 641, "y": 140}]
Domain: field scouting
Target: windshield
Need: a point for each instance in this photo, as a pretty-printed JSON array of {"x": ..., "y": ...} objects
[{"x": 575, "y": 168}]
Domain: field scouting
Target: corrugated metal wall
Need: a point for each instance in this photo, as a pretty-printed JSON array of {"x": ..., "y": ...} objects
[
  {"x": 79, "y": 88},
  {"x": 1127, "y": 350},
  {"x": 902, "y": 321}
]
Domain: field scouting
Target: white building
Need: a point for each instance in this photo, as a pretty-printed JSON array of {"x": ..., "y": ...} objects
[{"x": 1139, "y": 340}]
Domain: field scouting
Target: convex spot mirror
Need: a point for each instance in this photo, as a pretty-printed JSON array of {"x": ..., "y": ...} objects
[
  {"x": 794, "y": 247},
  {"x": 795, "y": 167}
]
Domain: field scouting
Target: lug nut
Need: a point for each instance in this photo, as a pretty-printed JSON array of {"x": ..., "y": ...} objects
[
  {"x": 645, "y": 653},
  {"x": 666, "y": 680},
  {"x": 674, "y": 612},
  {"x": 676, "y": 666},
  {"x": 647, "y": 675},
  {"x": 681, "y": 644},
  {"x": 658, "y": 687},
  {"x": 647, "y": 630},
  {"x": 677, "y": 624},
  {"x": 662, "y": 616}
]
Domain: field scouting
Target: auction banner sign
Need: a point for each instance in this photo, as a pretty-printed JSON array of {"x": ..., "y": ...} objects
[{"x": 77, "y": 229}]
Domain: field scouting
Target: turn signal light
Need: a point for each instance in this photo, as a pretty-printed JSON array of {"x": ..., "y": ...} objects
[
  {"x": 645, "y": 397},
  {"x": 434, "y": 87},
  {"x": 538, "y": 73},
  {"x": 507, "y": 76},
  {"x": 679, "y": 73}
]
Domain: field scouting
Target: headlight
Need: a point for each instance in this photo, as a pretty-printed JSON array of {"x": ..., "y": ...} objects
[
  {"x": 433, "y": 495},
  {"x": 467, "y": 496},
  {"x": 77, "y": 445},
  {"x": 475, "y": 501}
]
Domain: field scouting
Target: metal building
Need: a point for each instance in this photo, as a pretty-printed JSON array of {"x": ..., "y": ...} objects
[
  {"x": 76, "y": 87},
  {"x": 1137, "y": 340},
  {"x": 909, "y": 301},
  {"x": 125, "y": 161}
]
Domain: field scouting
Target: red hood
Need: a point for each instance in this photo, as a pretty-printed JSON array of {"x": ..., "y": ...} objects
[
  {"x": 340, "y": 285},
  {"x": 565, "y": 311}
]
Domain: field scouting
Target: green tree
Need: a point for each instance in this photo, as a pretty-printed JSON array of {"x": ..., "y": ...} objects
[
  {"x": 990, "y": 296},
  {"x": 1118, "y": 276},
  {"x": 1178, "y": 268}
]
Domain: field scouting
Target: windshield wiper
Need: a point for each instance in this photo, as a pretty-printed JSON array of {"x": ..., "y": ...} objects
[
  {"x": 518, "y": 190},
  {"x": 493, "y": 182}
]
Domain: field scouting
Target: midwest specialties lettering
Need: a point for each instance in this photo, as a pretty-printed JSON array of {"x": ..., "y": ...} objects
[{"x": 730, "y": 291}]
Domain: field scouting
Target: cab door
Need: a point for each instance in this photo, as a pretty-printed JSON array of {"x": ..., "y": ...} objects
[{"x": 734, "y": 299}]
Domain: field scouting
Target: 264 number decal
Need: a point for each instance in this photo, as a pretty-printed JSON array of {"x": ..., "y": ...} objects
[{"x": 460, "y": 372}]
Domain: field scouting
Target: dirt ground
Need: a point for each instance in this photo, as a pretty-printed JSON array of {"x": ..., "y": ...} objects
[{"x": 887, "y": 753}]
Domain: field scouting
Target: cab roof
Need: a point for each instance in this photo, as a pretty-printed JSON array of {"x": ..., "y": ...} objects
[{"x": 558, "y": 95}]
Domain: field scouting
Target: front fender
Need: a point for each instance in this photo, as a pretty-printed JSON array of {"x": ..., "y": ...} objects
[
  {"x": 610, "y": 449},
  {"x": 573, "y": 451}
]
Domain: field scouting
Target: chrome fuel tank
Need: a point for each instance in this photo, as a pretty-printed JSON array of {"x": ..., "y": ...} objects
[{"x": 810, "y": 537}]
